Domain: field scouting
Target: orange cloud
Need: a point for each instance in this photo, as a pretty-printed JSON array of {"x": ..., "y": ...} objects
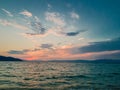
[{"x": 60, "y": 53}]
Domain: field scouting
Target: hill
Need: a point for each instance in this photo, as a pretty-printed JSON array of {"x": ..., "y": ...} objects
[{"x": 4, "y": 58}]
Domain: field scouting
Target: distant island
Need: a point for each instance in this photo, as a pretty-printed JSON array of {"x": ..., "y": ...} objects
[
  {"x": 4, "y": 58},
  {"x": 90, "y": 61}
]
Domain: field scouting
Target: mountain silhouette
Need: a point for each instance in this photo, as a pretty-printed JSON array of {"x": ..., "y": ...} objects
[{"x": 4, "y": 58}]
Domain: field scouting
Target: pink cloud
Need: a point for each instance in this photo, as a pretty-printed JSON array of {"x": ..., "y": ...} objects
[{"x": 13, "y": 24}]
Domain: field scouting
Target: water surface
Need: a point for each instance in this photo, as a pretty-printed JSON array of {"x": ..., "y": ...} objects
[{"x": 59, "y": 76}]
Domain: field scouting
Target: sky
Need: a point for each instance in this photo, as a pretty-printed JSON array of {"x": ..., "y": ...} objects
[{"x": 60, "y": 29}]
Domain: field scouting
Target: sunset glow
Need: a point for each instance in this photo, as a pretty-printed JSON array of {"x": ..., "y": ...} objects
[{"x": 60, "y": 30}]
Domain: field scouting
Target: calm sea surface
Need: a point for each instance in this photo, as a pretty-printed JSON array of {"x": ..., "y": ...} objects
[{"x": 59, "y": 76}]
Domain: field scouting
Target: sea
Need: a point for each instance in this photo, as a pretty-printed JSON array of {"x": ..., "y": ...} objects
[{"x": 59, "y": 76}]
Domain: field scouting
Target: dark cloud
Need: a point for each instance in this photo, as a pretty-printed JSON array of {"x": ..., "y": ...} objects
[
  {"x": 74, "y": 33},
  {"x": 102, "y": 46},
  {"x": 47, "y": 46},
  {"x": 18, "y": 51},
  {"x": 109, "y": 45},
  {"x": 15, "y": 52},
  {"x": 22, "y": 51}
]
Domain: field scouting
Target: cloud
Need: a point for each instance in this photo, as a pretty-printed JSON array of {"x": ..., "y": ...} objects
[
  {"x": 47, "y": 52},
  {"x": 13, "y": 24},
  {"x": 32, "y": 34},
  {"x": 15, "y": 52},
  {"x": 8, "y": 13},
  {"x": 101, "y": 46},
  {"x": 55, "y": 17},
  {"x": 74, "y": 15},
  {"x": 71, "y": 52},
  {"x": 37, "y": 27},
  {"x": 65, "y": 31},
  {"x": 34, "y": 24},
  {"x": 47, "y": 46},
  {"x": 26, "y": 13},
  {"x": 112, "y": 55},
  {"x": 24, "y": 51},
  {"x": 58, "y": 53},
  {"x": 74, "y": 33}
]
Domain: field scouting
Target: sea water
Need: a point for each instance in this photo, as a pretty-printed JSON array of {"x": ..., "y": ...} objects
[{"x": 59, "y": 76}]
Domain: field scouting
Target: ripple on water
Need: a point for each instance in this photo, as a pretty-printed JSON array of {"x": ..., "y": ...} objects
[
  {"x": 59, "y": 76},
  {"x": 7, "y": 75}
]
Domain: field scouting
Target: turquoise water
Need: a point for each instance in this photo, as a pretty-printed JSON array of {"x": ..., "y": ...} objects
[{"x": 59, "y": 76}]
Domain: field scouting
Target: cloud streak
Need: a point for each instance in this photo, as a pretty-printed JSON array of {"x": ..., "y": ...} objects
[
  {"x": 37, "y": 27},
  {"x": 74, "y": 15},
  {"x": 13, "y": 24},
  {"x": 111, "y": 55},
  {"x": 46, "y": 46},
  {"x": 26, "y": 13},
  {"x": 8, "y": 13},
  {"x": 48, "y": 52},
  {"x": 24, "y": 51},
  {"x": 59, "y": 26},
  {"x": 110, "y": 45},
  {"x": 15, "y": 52},
  {"x": 74, "y": 33},
  {"x": 55, "y": 17}
]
